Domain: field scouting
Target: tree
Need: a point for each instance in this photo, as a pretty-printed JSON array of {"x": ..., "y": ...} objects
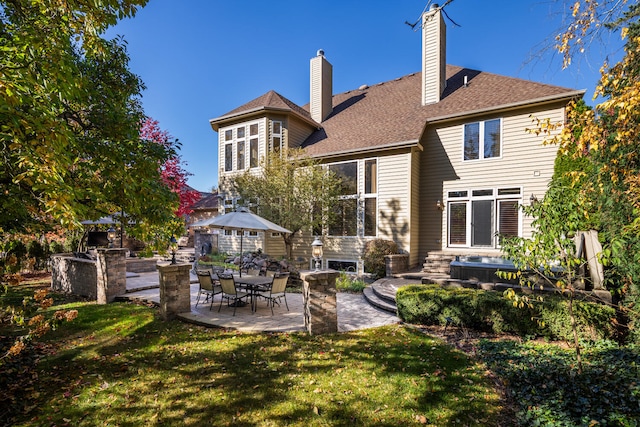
[
  {"x": 291, "y": 190},
  {"x": 172, "y": 171},
  {"x": 69, "y": 119},
  {"x": 596, "y": 182}
]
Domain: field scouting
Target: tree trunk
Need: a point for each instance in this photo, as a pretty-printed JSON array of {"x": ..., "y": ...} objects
[{"x": 575, "y": 332}]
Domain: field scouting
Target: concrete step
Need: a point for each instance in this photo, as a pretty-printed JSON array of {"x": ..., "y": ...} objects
[{"x": 373, "y": 299}]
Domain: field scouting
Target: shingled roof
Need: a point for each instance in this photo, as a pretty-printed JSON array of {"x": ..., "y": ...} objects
[
  {"x": 391, "y": 113},
  {"x": 270, "y": 101}
]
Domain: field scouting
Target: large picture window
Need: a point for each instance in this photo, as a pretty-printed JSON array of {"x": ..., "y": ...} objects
[
  {"x": 479, "y": 218},
  {"x": 482, "y": 140},
  {"x": 345, "y": 222}
]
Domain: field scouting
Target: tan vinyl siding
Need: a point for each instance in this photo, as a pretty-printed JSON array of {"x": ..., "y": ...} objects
[
  {"x": 298, "y": 132},
  {"x": 394, "y": 187},
  {"x": 414, "y": 232},
  {"x": 525, "y": 163}
]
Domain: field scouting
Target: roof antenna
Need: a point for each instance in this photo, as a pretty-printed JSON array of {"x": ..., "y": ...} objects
[
  {"x": 435, "y": 5},
  {"x": 413, "y": 26}
]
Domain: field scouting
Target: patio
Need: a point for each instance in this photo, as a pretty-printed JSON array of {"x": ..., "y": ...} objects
[{"x": 353, "y": 311}]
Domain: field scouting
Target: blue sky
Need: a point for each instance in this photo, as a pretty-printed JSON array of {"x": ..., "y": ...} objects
[{"x": 202, "y": 58}]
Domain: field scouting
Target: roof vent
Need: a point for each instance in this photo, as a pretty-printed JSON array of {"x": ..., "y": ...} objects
[
  {"x": 434, "y": 6},
  {"x": 363, "y": 87}
]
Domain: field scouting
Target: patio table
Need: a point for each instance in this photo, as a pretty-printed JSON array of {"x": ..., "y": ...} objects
[{"x": 253, "y": 284}]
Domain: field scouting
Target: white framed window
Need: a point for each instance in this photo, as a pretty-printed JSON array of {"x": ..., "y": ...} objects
[
  {"x": 479, "y": 218},
  {"x": 228, "y": 157},
  {"x": 276, "y": 143},
  {"x": 345, "y": 221},
  {"x": 370, "y": 208},
  {"x": 348, "y": 266},
  {"x": 482, "y": 140}
]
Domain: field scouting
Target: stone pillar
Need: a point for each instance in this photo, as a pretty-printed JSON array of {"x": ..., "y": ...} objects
[
  {"x": 175, "y": 290},
  {"x": 320, "y": 307},
  {"x": 395, "y": 264},
  {"x": 111, "y": 272}
]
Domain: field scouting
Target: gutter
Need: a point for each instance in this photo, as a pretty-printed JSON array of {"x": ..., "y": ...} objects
[
  {"x": 544, "y": 100},
  {"x": 215, "y": 123},
  {"x": 374, "y": 149}
]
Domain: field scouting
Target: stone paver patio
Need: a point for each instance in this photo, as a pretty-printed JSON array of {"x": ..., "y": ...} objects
[{"x": 353, "y": 311}]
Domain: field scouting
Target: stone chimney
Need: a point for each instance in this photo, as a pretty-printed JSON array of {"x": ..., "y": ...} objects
[
  {"x": 320, "y": 100},
  {"x": 434, "y": 59}
]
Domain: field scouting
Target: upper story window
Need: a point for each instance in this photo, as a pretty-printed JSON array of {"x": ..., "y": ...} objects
[
  {"x": 276, "y": 136},
  {"x": 482, "y": 140},
  {"x": 228, "y": 157},
  {"x": 240, "y": 148}
]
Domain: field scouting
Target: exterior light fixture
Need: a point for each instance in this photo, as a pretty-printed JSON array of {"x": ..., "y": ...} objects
[
  {"x": 439, "y": 205},
  {"x": 174, "y": 248},
  {"x": 316, "y": 252},
  {"x": 111, "y": 236},
  {"x": 533, "y": 199}
]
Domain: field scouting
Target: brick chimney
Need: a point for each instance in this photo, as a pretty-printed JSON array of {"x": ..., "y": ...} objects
[
  {"x": 434, "y": 59},
  {"x": 320, "y": 100}
]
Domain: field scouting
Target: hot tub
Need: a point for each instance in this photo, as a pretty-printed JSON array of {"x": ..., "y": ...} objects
[{"x": 481, "y": 268}]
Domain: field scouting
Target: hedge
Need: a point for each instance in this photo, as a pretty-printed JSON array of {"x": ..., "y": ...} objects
[{"x": 489, "y": 311}]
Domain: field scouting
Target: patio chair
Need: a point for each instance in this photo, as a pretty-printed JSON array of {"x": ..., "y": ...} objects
[
  {"x": 277, "y": 291},
  {"x": 230, "y": 292},
  {"x": 253, "y": 272},
  {"x": 208, "y": 286}
]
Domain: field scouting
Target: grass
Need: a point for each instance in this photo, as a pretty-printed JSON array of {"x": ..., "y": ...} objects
[{"x": 120, "y": 364}]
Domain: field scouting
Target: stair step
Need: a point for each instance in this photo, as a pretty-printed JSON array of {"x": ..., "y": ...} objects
[
  {"x": 385, "y": 292},
  {"x": 378, "y": 302}
]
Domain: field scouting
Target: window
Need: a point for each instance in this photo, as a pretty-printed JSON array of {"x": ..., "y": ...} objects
[
  {"x": 482, "y": 140},
  {"x": 240, "y": 133},
  {"x": 240, "y": 155},
  {"x": 228, "y": 135},
  {"x": 253, "y": 153},
  {"x": 345, "y": 222},
  {"x": 370, "y": 197},
  {"x": 253, "y": 129},
  {"x": 228, "y": 157},
  {"x": 346, "y": 266},
  {"x": 477, "y": 220},
  {"x": 276, "y": 136}
]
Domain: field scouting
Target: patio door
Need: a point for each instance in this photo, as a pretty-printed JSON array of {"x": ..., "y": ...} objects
[{"x": 482, "y": 223}]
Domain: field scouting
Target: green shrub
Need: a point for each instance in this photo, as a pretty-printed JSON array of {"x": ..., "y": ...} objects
[
  {"x": 349, "y": 283},
  {"x": 374, "y": 252},
  {"x": 489, "y": 311}
]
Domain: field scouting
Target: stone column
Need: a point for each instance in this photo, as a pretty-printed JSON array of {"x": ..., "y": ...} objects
[
  {"x": 320, "y": 307},
  {"x": 111, "y": 272},
  {"x": 395, "y": 264},
  {"x": 175, "y": 290}
]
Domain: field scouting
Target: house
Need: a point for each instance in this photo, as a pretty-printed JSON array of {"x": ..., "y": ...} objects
[
  {"x": 206, "y": 207},
  {"x": 438, "y": 160}
]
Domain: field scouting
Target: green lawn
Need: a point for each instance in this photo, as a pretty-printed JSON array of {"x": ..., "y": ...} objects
[{"x": 121, "y": 365}]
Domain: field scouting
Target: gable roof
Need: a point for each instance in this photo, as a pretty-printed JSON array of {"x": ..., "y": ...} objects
[
  {"x": 390, "y": 114},
  {"x": 207, "y": 201},
  {"x": 270, "y": 101}
]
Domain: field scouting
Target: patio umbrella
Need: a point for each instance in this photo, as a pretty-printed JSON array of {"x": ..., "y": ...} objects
[{"x": 243, "y": 220}]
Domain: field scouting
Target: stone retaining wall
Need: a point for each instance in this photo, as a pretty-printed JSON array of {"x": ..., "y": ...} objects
[
  {"x": 141, "y": 265},
  {"x": 77, "y": 276}
]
